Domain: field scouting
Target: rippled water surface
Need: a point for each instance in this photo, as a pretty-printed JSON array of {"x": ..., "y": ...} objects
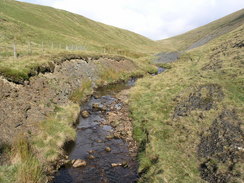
[{"x": 92, "y": 138}]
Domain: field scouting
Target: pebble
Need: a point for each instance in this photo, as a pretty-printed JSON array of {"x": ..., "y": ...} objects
[
  {"x": 108, "y": 149},
  {"x": 85, "y": 114}
]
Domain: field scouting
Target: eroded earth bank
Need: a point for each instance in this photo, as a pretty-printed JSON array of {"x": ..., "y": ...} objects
[{"x": 40, "y": 113}]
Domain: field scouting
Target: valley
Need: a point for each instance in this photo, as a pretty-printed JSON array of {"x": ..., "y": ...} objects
[{"x": 81, "y": 101}]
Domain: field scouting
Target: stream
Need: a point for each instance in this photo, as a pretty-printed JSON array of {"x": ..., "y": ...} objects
[{"x": 104, "y": 147}]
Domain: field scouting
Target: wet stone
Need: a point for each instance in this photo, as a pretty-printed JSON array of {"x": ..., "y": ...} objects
[
  {"x": 85, "y": 114},
  {"x": 78, "y": 163},
  {"x": 108, "y": 149},
  {"x": 91, "y": 157}
]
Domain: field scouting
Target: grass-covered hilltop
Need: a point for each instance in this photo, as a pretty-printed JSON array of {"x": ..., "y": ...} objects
[{"x": 187, "y": 121}]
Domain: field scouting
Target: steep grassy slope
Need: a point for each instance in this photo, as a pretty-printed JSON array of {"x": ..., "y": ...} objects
[
  {"x": 189, "y": 120},
  {"x": 28, "y": 22},
  {"x": 203, "y": 34},
  {"x": 41, "y": 34}
]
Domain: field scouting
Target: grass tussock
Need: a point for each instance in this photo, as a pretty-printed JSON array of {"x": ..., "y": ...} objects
[
  {"x": 29, "y": 156},
  {"x": 55, "y": 131},
  {"x": 23, "y": 166},
  {"x": 80, "y": 94},
  {"x": 172, "y": 110},
  {"x": 29, "y": 168},
  {"x": 107, "y": 75}
]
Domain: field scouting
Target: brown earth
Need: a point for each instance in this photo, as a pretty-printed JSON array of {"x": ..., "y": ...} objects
[{"x": 22, "y": 106}]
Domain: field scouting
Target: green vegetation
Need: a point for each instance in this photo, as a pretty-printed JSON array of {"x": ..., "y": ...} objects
[
  {"x": 55, "y": 131},
  {"x": 31, "y": 154},
  {"x": 81, "y": 93},
  {"x": 204, "y": 33},
  {"x": 175, "y": 113},
  {"x": 24, "y": 22},
  {"x": 24, "y": 166},
  {"x": 40, "y": 32}
]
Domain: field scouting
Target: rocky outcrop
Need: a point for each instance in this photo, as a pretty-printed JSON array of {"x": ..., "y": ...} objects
[{"x": 22, "y": 106}]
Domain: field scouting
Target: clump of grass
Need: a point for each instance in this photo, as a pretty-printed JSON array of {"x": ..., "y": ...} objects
[
  {"x": 107, "y": 75},
  {"x": 24, "y": 167},
  {"x": 164, "y": 65},
  {"x": 29, "y": 157},
  {"x": 55, "y": 131},
  {"x": 80, "y": 94},
  {"x": 30, "y": 170}
]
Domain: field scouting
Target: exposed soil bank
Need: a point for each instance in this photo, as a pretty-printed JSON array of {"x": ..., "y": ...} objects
[{"x": 23, "y": 106}]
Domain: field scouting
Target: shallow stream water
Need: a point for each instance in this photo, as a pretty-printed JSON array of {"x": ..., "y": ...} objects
[{"x": 92, "y": 139}]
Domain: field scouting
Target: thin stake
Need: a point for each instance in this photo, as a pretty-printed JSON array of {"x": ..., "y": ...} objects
[{"x": 15, "y": 54}]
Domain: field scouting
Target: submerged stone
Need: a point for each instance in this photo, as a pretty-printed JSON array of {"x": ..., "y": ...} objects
[
  {"x": 85, "y": 114},
  {"x": 78, "y": 163}
]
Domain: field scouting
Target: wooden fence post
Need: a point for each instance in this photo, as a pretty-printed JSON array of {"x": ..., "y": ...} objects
[{"x": 14, "y": 49}]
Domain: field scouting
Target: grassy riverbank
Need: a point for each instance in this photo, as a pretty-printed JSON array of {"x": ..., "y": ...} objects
[
  {"x": 189, "y": 120},
  {"x": 32, "y": 154},
  {"x": 43, "y": 145}
]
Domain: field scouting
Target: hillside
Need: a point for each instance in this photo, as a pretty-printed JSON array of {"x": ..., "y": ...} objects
[
  {"x": 40, "y": 35},
  {"x": 189, "y": 120},
  {"x": 24, "y": 22},
  {"x": 201, "y": 35}
]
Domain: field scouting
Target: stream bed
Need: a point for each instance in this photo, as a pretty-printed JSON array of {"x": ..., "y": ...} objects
[{"x": 104, "y": 141}]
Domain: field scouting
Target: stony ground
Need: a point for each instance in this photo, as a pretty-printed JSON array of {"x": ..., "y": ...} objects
[{"x": 22, "y": 106}]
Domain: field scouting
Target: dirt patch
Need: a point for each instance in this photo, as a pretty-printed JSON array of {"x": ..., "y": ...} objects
[
  {"x": 221, "y": 149},
  {"x": 213, "y": 65},
  {"x": 204, "y": 98},
  {"x": 23, "y": 106},
  {"x": 239, "y": 44}
]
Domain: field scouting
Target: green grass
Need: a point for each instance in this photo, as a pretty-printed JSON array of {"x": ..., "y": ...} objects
[
  {"x": 168, "y": 145},
  {"x": 24, "y": 166},
  {"x": 55, "y": 131},
  {"x": 24, "y": 22},
  {"x": 40, "y": 32},
  {"x": 31, "y": 154},
  {"x": 80, "y": 94}
]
